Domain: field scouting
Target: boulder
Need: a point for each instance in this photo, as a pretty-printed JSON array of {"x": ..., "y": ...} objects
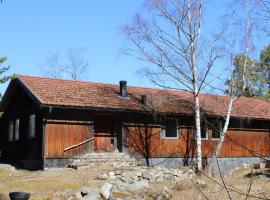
[
  {"x": 7, "y": 167},
  {"x": 127, "y": 187},
  {"x": 102, "y": 176},
  {"x": 105, "y": 190}
]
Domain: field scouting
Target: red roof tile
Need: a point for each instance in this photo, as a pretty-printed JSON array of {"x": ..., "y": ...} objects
[{"x": 59, "y": 92}]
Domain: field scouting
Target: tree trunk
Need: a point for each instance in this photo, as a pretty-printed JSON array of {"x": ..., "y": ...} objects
[
  {"x": 224, "y": 132},
  {"x": 198, "y": 132}
]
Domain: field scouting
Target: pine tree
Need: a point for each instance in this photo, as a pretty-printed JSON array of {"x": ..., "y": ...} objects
[{"x": 3, "y": 70}]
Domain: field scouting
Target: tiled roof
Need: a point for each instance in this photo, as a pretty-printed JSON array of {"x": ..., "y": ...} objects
[{"x": 69, "y": 93}]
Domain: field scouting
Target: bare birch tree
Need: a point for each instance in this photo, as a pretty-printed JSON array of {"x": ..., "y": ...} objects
[
  {"x": 170, "y": 42},
  {"x": 77, "y": 64},
  {"x": 237, "y": 82},
  {"x": 73, "y": 65}
]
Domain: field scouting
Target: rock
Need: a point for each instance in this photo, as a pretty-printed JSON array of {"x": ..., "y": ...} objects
[
  {"x": 168, "y": 177},
  {"x": 105, "y": 190},
  {"x": 7, "y": 167},
  {"x": 126, "y": 187},
  {"x": 164, "y": 195},
  {"x": 93, "y": 194},
  {"x": 111, "y": 175},
  {"x": 118, "y": 173},
  {"x": 88, "y": 190},
  {"x": 262, "y": 165},
  {"x": 246, "y": 166},
  {"x": 147, "y": 175},
  {"x": 201, "y": 183},
  {"x": 127, "y": 179},
  {"x": 102, "y": 176},
  {"x": 77, "y": 194},
  {"x": 190, "y": 171}
]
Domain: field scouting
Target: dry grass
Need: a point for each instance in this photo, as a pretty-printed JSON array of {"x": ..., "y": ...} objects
[{"x": 53, "y": 183}]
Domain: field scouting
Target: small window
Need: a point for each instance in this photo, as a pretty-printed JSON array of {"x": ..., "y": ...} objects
[
  {"x": 10, "y": 131},
  {"x": 17, "y": 129},
  {"x": 171, "y": 128},
  {"x": 217, "y": 130},
  {"x": 31, "y": 126},
  {"x": 204, "y": 130}
]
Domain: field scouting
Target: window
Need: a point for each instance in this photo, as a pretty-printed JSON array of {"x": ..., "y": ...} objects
[
  {"x": 31, "y": 126},
  {"x": 171, "y": 128},
  {"x": 17, "y": 129},
  {"x": 204, "y": 130},
  {"x": 10, "y": 131},
  {"x": 217, "y": 130}
]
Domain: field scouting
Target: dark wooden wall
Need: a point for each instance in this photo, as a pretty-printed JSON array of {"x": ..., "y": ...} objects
[{"x": 21, "y": 107}]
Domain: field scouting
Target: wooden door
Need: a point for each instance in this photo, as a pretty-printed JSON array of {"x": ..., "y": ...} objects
[
  {"x": 105, "y": 137},
  {"x": 59, "y": 137}
]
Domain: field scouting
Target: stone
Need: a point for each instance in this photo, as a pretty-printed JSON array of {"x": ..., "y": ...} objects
[
  {"x": 76, "y": 194},
  {"x": 111, "y": 175},
  {"x": 168, "y": 177},
  {"x": 201, "y": 183},
  {"x": 88, "y": 190},
  {"x": 146, "y": 175},
  {"x": 164, "y": 195},
  {"x": 7, "y": 167},
  {"x": 246, "y": 166},
  {"x": 118, "y": 173},
  {"x": 105, "y": 190},
  {"x": 102, "y": 176},
  {"x": 92, "y": 195},
  {"x": 126, "y": 187},
  {"x": 262, "y": 165}
]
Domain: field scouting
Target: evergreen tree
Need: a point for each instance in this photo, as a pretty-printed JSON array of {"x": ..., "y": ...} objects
[
  {"x": 3, "y": 70},
  {"x": 237, "y": 76}
]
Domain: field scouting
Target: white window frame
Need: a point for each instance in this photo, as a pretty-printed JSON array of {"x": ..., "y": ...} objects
[
  {"x": 11, "y": 132},
  {"x": 163, "y": 131},
  {"x": 32, "y": 122},
  {"x": 220, "y": 130}
]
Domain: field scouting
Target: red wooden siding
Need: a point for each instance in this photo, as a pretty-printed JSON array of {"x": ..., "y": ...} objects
[
  {"x": 238, "y": 143},
  {"x": 61, "y": 136}
]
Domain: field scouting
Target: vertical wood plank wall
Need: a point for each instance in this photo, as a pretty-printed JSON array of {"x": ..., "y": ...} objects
[{"x": 61, "y": 136}]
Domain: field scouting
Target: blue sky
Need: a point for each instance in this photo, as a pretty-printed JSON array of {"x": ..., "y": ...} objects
[{"x": 30, "y": 30}]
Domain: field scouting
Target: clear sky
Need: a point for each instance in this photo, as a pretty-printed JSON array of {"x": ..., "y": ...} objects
[{"x": 30, "y": 30}]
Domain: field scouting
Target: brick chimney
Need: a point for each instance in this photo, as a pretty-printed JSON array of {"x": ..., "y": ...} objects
[{"x": 123, "y": 88}]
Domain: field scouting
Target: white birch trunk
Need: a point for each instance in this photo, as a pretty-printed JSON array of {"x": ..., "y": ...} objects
[
  {"x": 198, "y": 132},
  {"x": 224, "y": 130}
]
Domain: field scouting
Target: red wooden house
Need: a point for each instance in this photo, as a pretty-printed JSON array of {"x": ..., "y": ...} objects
[{"x": 50, "y": 122}]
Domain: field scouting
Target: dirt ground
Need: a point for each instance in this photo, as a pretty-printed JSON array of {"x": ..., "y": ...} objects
[{"x": 55, "y": 183}]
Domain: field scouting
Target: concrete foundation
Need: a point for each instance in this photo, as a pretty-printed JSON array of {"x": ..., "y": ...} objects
[
  {"x": 57, "y": 163},
  {"x": 225, "y": 164}
]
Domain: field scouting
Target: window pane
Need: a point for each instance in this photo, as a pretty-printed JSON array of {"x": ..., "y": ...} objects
[
  {"x": 17, "y": 129},
  {"x": 171, "y": 128},
  {"x": 217, "y": 130},
  {"x": 32, "y": 126},
  {"x": 204, "y": 130},
  {"x": 10, "y": 131}
]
